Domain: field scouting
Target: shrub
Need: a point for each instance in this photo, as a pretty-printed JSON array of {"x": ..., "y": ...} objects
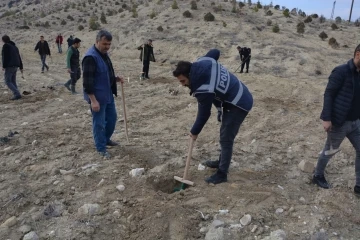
[
  {"x": 134, "y": 13},
  {"x": 334, "y": 26},
  {"x": 93, "y": 24},
  {"x": 233, "y": 10},
  {"x": 338, "y": 19},
  {"x": 70, "y": 18},
  {"x": 187, "y": 14},
  {"x": 63, "y": 22},
  {"x": 255, "y": 9},
  {"x": 160, "y": 28},
  {"x": 357, "y": 23},
  {"x": 152, "y": 14},
  {"x": 209, "y": 17},
  {"x": 276, "y": 28},
  {"x": 314, "y": 15},
  {"x": 103, "y": 18},
  {"x": 286, "y": 13},
  {"x": 322, "y": 19},
  {"x": 333, "y": 43},
  {"x": 277, "y": 7},
  {"x": 174, "y": 5},
  {"x": 258, "y": 5},
  {"x": 42, "y": 14},
  {"x": 249, "y": 2},
  {"x": 323, "y": 35},
  {"x": 23, "y": 27},
  {"x": 308, "y": 19},
  {"x": 269, "y": 22},
  {"x": 300, "y": 27},
  {"x": 301, "y": 13},
  {"x": 241, "y": 4},
  {"x": 124, "y": 6},
  {"x": 224, "y": 24},
  {"x": 193, "y": 5},
  {"x": 269, "y": 13},
  {"x": 80, "y": 27}
]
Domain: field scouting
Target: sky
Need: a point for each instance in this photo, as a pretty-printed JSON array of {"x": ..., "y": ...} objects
[{"x": 321, "y": 7}]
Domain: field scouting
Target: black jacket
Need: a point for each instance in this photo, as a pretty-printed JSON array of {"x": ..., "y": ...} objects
[
  {"x": 245, "y": 54},
  {"x": 45, "y": 50},
  {"x": 339, "y": 93},
  {"x": 11, "y": 56},
  {"x": 148, "y": 53}
]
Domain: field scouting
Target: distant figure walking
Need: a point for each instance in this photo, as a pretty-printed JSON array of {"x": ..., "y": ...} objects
[
  {"x": 245, "y": 56},
  {"x": 146, "y": 55},
  {"x": 73, "y": 65},
  {"x": 44, "y": 50},
  {"x": 11, "y": 61},
  {"x": 70, "y": 41},
  {"x": 59, "y": 41}
]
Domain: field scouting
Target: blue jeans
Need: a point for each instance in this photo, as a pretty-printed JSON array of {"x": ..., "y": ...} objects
[
  {"x": 104, "y": 123},
  {"x": 43, "y": 59},
  {"x": 10, "y": 80},
  {"x": 59, "y": 47},
  {"x": 351, "y": 130},
  {"x": 232, "y": 119}
]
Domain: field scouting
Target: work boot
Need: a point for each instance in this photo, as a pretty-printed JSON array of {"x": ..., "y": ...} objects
[
  {"x": 241, "y": 71},
  {"x": 67, "y": 85},
  {"x": 321, "y": 181},
  {"x": 112, "y": 143},
  {"x": 247, "y": 71},
  {"x": 218, "y": 177},
  {"x": 16, "y": 97},
  {"x": 357, "y": 191},
  {"x": 73, "y": 89},
  {"x": 105, "y": 154},
  {"x": 212, "y": 164}
]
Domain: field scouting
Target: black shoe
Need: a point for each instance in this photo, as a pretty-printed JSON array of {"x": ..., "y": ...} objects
[
  {"x": 212, "y": 164},
  {"x": 67, "y": 85},
  {"x": 112, "y": 143},
  {"x": 321, "y": 181},
  {"x": 218, "y": 177},
  {"x": 47, "y": 68},
  {"x": 357, "y": 191},
  {"x": 15, "y": 97},
  {"x": 241, "y": 71},
  {"x": 42, "y": 71},
  {"x": 105, "y": 154},
  {"x": 247, "y": 71}
]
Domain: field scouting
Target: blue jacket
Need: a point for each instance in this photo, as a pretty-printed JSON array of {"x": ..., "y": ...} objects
[
  {"x": 339, "y": 93},
  {"x": 211, "y": 83},
  {"x": 102, "y": 84}
]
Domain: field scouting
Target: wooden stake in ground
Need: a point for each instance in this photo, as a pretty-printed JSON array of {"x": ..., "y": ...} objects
[
  {"x": 187, "y": 166},
  {"x": 124, "y": 110}
]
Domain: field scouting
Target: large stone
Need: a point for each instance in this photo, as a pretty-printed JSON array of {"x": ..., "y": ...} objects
[
  {"x": 276, "y": 235},
  {"x": 24, "y": 229},
  {"x": 306, "y": 166},
  {"x": 9, "y": 222},
  {"x": 245, "y": 220},
  {"x": 89, "y": 210},
  {"x": 31, "y": 236}
]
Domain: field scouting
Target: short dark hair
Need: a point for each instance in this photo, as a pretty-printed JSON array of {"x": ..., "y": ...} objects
[
  {"x": 182, "y": 68},
  {"x": 103, "y": 33},
  {"x": 76, "y": 40},
  {"x": 6, "y": 38},
  {"x": 357, "y": 49},
  {"x": 41, "y": 36}
]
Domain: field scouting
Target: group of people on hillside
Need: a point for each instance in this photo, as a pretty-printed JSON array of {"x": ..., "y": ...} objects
[{"x": 211, "y": 84}]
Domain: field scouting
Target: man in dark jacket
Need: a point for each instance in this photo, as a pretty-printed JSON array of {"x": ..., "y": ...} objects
[
  {"x": 245, "y": 56},
  {"x": 340, "y": 116},
  {"x": 44, "y": 50},
  {"x": 146, "y": 55},
  {"x": 211, "y": 83},
  {"x": 73, "y": 65},
  {"x": 11, "y": 61},
  {"x": 59, "y": 41},
  {"x": 70, "y": 41},
  {"x": 99, "y": 87}
]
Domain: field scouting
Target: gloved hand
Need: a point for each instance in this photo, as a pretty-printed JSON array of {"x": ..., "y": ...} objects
[{"x": 219, "y": 116}]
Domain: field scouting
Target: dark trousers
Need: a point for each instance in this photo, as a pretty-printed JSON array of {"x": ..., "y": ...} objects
[
  {"x": 74, "y": 76},
  {"x": 247, "y": 62},
  {"x": 146, "y": 66},
  {"x": 232, "y": 119},
  {"x": 351, "y": 130},
  {"x": 10, "y": 80},
  {"x": 104, "y": 123},
  {"x": 43, "y": 61}
]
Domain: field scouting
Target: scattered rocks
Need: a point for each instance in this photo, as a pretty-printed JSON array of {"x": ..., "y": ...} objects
[
  {"x": 8, "y": 150},
  {"x": 321, "y": 235},
  {"x": 279, "y": 211},
  {"x": 245, "y": 220},
  {"x": 159, "y": 214},
  {"x": 89, "y": 210},
  {"x": 9, "y": 222},
  {"x": 121, "y": 188},
  {"x": 306, "y": 166},
  {"x": 276, "y": 235},
  {"x": 101, "y": 182},
  {"x": 65, "y": 172},
  {"x": 137, "y": 172},
  {"x": 201, "y": 167},
  {"x": 217, "y": 223},
  {"x": 302, "y": 200},
  {"x": 31, "y": 236}
]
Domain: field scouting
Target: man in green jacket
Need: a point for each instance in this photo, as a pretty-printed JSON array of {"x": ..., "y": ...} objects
[{"x": 73, "y": 65}]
